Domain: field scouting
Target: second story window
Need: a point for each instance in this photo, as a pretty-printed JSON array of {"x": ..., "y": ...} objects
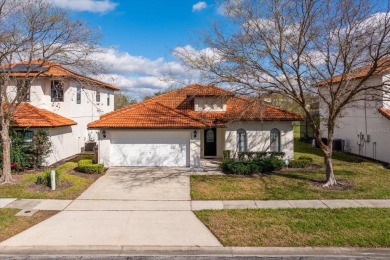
[
  {"x": 78, "y": 95},
  {"x": 108, "y": 99},
  {"x": 97, "y": 96},
  {"x": 24, "y": 88},
  {"x": 57, "y": 91}
]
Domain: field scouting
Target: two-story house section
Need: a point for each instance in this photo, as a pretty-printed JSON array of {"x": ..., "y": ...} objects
[
  {"x": 364, "y": 125},
  {"x": 63, "y": 102}
]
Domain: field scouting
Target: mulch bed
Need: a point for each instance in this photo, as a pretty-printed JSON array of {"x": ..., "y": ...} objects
[
  {"x": 64, "y": 184},
  {"x": 341, "y": 185}
]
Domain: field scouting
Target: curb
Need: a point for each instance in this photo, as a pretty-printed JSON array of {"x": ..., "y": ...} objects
[{"x": 339, "y": 252}]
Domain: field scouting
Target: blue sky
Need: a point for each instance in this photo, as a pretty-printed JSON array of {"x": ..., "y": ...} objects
[{"x": 139, "y": 36}]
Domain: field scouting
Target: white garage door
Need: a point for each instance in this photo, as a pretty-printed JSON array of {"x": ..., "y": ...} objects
[{"x": 150, "y": 148}]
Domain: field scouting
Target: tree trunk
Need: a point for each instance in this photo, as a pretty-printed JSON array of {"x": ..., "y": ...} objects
[
  {"x": 6, "y": 175},
  {"x": 330, "y": 179}
]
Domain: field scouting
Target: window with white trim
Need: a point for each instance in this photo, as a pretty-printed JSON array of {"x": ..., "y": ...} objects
[
  {"x": 275, "y": 140},
  {"x": 57, "y": 91}
]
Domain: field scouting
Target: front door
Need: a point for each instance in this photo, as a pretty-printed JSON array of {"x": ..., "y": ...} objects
[{"x": 210, "y": 142}]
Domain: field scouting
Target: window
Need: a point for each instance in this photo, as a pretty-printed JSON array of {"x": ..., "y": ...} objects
[
  {"x": 97, "y": 96},
  {"x": 24, "y": 87},
  {"x": 78, "y": 95},
  {"x": 108, "y": 99},
  {"x": 210, "y": 136},
  {"x": 57, "y": 91},
  {"x": 241, "y": 140},
  {"x": 275, "y": 140},
  {"x": 26, "y": 135}
]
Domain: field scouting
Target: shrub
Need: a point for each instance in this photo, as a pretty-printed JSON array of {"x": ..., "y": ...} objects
[
  {"x": 306, "y": 158},
  {"x": 227, "y": 155},
  {"x": 302, "y": 162},
  {"x": 46, "y": 178},
  {"x": 241, "y": 156},
  {"x": 40, "y": 147},
  {"x": 277, "y": 154},
  {"x": 19, "y": 152},
  {"x": 252, "y": 166},
  {"x": 86, "y": 166},
  {"x": 259, "y": 155},
  {"x": 270, "y": 164}
]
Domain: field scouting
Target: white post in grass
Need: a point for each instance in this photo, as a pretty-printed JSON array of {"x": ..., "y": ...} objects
[{"x": 53, "y": 179}]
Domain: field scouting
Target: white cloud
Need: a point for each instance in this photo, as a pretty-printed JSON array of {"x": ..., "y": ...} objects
[
  {"x": 189, "y": 53},
  {"x": 229, "y": 7},
  {"x": 94, "y": 6},
  {"x": 138, "y": 75},
  {"x": 199, "y": 6}
]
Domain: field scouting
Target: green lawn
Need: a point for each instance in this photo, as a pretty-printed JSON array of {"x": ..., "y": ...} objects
[
  {"x": 366, "y": 180},
  {"x": 25, "y": 186},
  {"x": 360, "y": 227},
  {"x": 11, "y": 225}
]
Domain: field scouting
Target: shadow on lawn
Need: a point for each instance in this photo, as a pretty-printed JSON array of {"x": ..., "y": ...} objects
[{"x": 305, "y": 148}]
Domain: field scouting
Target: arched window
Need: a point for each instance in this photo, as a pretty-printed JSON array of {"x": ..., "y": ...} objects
[
  {"x": 241, "y": 140},
  {"x": 275, "y": 140}
]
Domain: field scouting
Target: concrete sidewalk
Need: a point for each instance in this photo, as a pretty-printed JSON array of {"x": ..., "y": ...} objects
[
  {"x": 183, "y": 205},
  {"x": 278, "y": 204},
  {"x": 35, "y": 204}
]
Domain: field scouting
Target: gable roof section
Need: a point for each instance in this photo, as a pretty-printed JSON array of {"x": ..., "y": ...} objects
[
  {"x": 175, "y": 109},
  {"x": 385, "y": 112},
  {"x": 50, "y": 69},
  {"x": 27, "y": 115}
]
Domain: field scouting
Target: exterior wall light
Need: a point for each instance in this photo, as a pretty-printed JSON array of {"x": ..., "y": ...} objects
[
  {"x": 104, "y": 133},
  {"x": 195, "y": 133}
]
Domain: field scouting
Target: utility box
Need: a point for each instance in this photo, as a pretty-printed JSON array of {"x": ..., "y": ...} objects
[{"x": 338, "y": 145}]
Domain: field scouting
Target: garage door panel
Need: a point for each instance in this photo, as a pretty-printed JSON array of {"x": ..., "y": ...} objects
[{"x": 147, "y": 150}]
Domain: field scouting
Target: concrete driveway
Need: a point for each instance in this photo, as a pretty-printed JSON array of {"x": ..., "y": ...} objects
[{"x": 128, "y": 207}]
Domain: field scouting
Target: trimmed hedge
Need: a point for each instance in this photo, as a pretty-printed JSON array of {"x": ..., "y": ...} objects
[
  {"x": 264, "y": 165},
  {"x": 86, "y": 166},
  {"x": 302, "y": 162}
]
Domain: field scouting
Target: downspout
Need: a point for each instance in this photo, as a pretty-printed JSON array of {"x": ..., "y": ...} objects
[{"x": 365, "y": 125}]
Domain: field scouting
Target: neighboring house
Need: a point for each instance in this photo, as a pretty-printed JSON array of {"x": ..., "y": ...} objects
[
  {"x": 180, "y": 127},
  {"x": 364, "y": 126},
  {"x": 63, "y": 102}
]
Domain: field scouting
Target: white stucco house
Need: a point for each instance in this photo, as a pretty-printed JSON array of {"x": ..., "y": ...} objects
[
  {"x": 180, "y": 127},
  {"x": 364, "y": 125},
  {"x": 62, "y": 102}
]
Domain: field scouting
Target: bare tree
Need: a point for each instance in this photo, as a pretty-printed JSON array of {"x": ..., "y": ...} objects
[
  {"x": 296, "y": 47},
  {"x": 37, "y": 36}
]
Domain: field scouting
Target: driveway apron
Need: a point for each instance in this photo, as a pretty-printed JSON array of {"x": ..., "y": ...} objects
[{"x": 143, "y": 206}]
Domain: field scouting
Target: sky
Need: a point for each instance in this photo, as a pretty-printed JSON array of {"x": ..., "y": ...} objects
[{"x": 139, "y": 37}]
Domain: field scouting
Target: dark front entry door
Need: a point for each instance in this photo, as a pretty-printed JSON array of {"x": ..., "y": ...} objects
[{"x": 210, "y": 142}]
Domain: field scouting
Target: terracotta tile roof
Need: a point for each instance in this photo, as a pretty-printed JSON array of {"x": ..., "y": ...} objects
[
  {"x": 385, "y": 112},
  {"x": 383, "y": 67},
  {"x": 165, "y": 110},
  {"x": 27, "y": 115},
  {"x": 149, "y": 115},
  {"x": 209, "y": 90},
  {"x": 54, "y": 70}
]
